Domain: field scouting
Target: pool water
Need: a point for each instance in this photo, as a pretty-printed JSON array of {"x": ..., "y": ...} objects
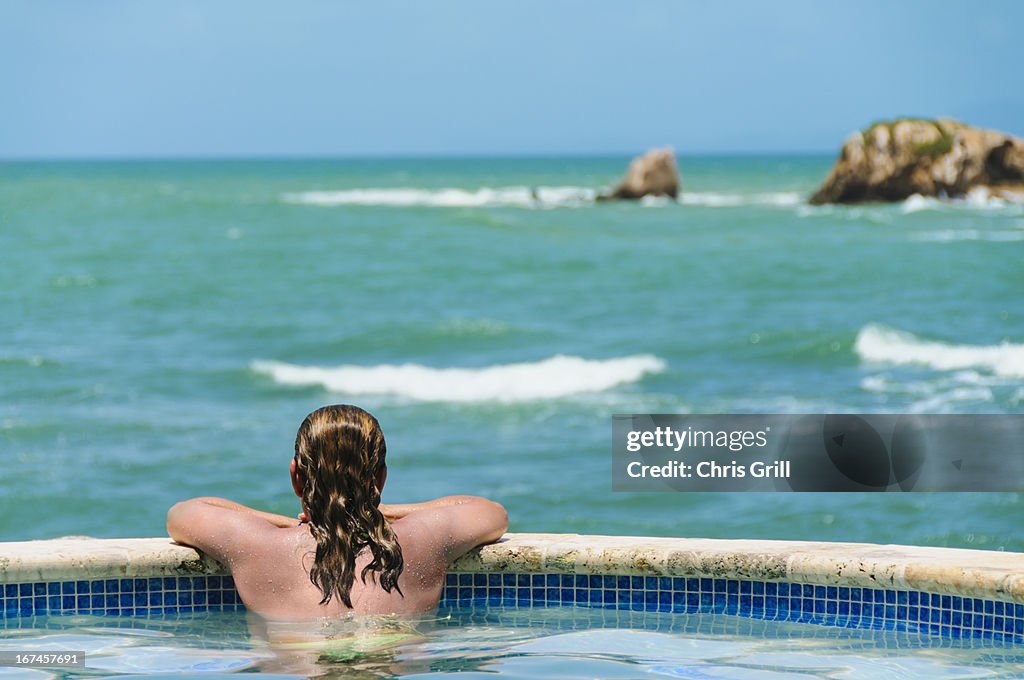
[{"x": 485, "y": 642}]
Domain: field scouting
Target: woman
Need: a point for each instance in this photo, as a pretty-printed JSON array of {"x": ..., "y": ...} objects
[{"x": 348, "y": 552}]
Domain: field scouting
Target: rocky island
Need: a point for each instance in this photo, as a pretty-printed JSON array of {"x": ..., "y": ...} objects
[
  {"x": 893, "y": 160},
  {"x": 652, "y": 174}
]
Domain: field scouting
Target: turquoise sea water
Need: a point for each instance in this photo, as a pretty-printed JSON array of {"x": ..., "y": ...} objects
[{"x": 167, "y": 325}]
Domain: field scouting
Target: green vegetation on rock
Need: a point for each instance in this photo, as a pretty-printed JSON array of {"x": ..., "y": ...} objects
[{"x": 933, "y": 149}]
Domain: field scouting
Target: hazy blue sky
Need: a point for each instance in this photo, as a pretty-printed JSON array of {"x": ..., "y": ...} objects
[{"x": 186, "y": 78}]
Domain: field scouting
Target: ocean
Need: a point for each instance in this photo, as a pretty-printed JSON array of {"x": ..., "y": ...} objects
[{"x": 167, "y": 325}]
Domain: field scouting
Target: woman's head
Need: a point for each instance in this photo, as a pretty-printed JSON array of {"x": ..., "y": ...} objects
[{"x": 339, "y": 472}]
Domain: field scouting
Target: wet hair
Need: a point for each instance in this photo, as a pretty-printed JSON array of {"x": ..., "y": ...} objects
[{"x": 340, "y": 452}]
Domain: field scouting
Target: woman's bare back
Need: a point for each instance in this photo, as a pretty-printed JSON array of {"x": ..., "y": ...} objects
[
  {"x": 274, "y": 579},
  {"x": 270, "y": 558}
]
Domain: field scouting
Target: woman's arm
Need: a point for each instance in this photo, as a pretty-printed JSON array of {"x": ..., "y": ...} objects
[
  {"x": 460, "y": 523},
  {"x": 277, "y": 520},
  {"x": 393, "y": 511},
  {"x": 229, "y": 532}
]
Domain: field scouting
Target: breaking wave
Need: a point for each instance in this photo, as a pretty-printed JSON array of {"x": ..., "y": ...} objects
[
  {"x": 551, "y": 378},
  {"x": 876, "y": 343},
  {"x": 523, "y": 197},
  {"x": 516, "y": 196}
]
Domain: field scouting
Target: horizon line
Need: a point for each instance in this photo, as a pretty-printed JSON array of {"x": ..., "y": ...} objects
[{"x": 213, "y": 157}]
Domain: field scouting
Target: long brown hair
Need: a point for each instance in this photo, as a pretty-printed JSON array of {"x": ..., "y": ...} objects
[{"x": 340, "y": 452}]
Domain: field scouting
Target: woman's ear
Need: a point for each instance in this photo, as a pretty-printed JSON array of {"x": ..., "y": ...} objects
[{"x": 298, "y": 482}]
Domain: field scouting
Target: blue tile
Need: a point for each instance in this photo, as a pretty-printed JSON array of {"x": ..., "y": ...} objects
[
  {"x": 53, "y": 588},
  {"x": 784, "y": 590},
  {"x": 11, "y": 590},
  {"x": 732, "y": 587},
  {"x": 664, "y": 583},
  {"x": 746, "y": 587},
  {"x": 947, "y": 601},
  {"x": 550, "y": 581},
  {"x": 989, "y": 607},
  {"x": 758, "y": 587},
  {"x": 771, "y": 589},
  {"x": 25, "y": 590},
  {"x": 68, "y": 602},
  {"x": 998, "y": 608}
]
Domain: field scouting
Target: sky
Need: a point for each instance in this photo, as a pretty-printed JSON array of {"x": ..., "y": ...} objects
[{"x": 233, "y": 78}]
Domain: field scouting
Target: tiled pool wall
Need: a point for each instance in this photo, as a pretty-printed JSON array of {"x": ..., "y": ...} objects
[
  {"x": 946, "y": 616},
  {"x": 943, "y": 593}
]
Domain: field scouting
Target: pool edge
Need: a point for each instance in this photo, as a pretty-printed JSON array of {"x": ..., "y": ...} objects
[{"x": 981, "y": 574}]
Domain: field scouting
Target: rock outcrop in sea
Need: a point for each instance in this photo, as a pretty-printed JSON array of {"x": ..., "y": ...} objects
[
  {"x": 893, "y": 160},
  {"x": 652, "y": 174}
]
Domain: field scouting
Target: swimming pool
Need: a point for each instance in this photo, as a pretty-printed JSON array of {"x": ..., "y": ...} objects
[{"x": 550, "y": 605}]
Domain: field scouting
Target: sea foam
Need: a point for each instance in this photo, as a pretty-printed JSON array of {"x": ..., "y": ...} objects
[
  {"x": 524, "y": 197},
  {"x": 877, "y": 343},
  {"x": 551, "y": 378},
  {"x": 514, "y": 196}
]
